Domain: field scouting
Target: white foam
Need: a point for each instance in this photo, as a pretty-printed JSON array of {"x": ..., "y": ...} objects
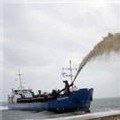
[{"x": 3, "y": 107}]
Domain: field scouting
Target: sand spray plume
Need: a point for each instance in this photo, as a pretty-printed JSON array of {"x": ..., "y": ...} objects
[{"x": 109, "y": 44}]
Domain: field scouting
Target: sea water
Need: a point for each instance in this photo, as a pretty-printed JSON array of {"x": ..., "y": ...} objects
[{"x": 98, "y": 105}]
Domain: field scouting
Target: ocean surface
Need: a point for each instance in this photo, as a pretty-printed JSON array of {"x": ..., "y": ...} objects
[{"x": 98, "y": 105}]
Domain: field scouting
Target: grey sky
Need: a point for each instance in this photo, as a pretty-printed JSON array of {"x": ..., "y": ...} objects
[{"x": 41, "y": 38}]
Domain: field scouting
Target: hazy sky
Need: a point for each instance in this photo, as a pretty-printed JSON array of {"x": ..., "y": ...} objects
[{"x": 40, "y": 38}]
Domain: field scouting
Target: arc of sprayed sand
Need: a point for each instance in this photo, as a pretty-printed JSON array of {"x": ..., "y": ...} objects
[{"x": 109, "y": 44}]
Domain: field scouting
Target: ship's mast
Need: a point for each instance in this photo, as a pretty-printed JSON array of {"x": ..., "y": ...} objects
[
  {"x": 71, "y": 73},
  {"x": 20, "y": 79},
  {"x": 70, "y": 70}
]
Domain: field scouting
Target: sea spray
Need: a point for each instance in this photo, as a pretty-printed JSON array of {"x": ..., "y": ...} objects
[{"x": 109, "y": 44}]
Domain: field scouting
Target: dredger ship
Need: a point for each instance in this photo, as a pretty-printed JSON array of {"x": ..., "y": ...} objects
[{"x": 64, "y": 100}]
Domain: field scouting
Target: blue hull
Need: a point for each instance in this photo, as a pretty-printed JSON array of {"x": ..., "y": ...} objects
[
  {"x": 37, "y": 106},
  {"x": 79, "y": 100}
]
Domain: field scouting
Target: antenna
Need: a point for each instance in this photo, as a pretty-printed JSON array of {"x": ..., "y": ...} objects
[{"x": 20, "y": 79}]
